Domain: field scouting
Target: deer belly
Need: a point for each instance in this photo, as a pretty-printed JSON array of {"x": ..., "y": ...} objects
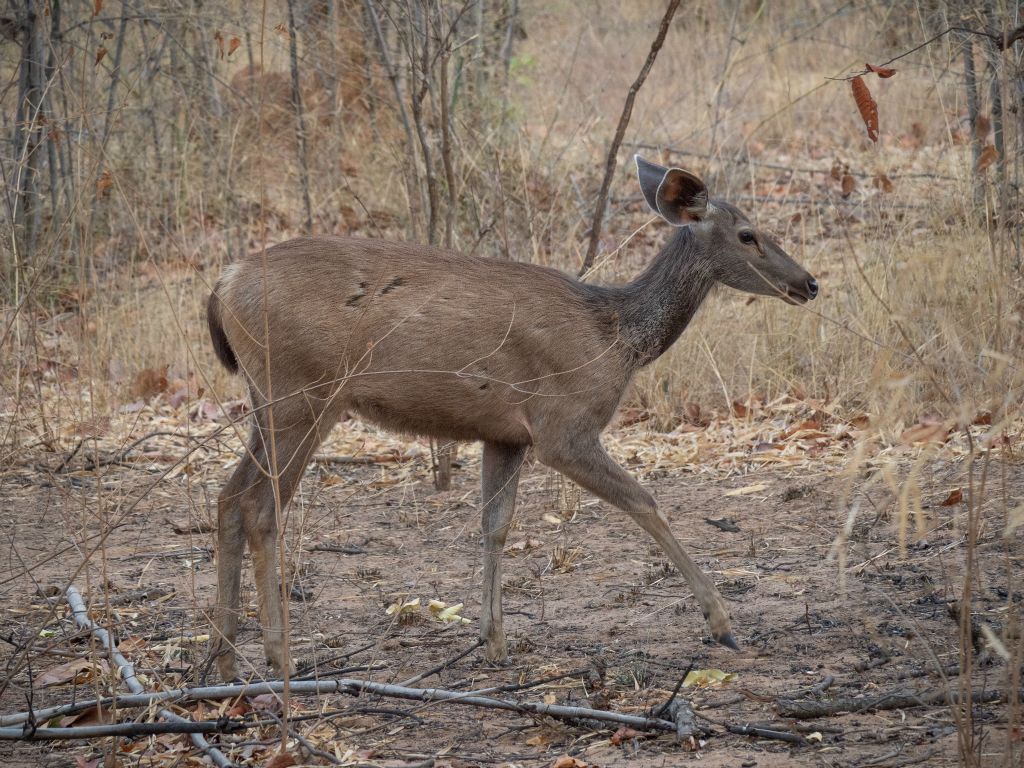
[{"x": 445, "y": 406}]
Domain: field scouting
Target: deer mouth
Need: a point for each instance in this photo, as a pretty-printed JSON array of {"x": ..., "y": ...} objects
[{"x": 794, "y": 296}]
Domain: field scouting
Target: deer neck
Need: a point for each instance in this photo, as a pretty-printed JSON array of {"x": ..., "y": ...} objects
[{"x": 658, "y": 305}]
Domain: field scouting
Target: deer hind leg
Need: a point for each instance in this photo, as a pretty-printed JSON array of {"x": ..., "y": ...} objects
[
  {"x": 498, "y": 481},
  {"x": 587, "y": 464},
  {"x": 250, "y": 507},
  {"x": 230, "y": 546}
]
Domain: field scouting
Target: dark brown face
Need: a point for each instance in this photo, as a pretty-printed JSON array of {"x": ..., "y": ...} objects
[
  {"x": 745, "y": 258},
  {"x": 749, "y": 260}
]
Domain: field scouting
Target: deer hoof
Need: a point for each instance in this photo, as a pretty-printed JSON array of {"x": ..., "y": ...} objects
[{"x": 728, "y": 641}]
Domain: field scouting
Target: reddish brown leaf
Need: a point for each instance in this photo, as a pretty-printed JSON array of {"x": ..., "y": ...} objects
[
  {"x": 987, "y": 157},
  {"x": 626, "y": 733},
  {"x": 104, "y": 183},
  {"x": 97, "y": 6},
  {"x": 849, "y": 184},
  {"x": 882, "y": 182},
  {"x": 100, "y": 54},
  {"x": 149, "y": 382},
  {"x": 281, "y": 760},
  {"x": 739, "y": 409},
  {"x": 566, "y": 761},
  {"x": 925, "y": 432},
  {"x": 983, "y": 419},
  {"x": 233, "y": 45},
  {"x": 881, "y": 71},
  {"x": 981, "y": 127},
  {"x": 866, "y": 106},
  {"x": 954, "y": 498},
  {"x": 282, "y": 30}
]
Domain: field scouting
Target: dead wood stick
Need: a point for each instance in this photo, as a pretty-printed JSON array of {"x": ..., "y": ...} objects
[
  {"x": 613, "y": 150},
  {"x": 443, "y": 665},
  {"x": 765, "y": 733},
  {"x": 349, "y": 686},
  {"x": 81, "y": 614},
  {"x": 805, "y": 710},
  {"x": 32, "y": 733}
]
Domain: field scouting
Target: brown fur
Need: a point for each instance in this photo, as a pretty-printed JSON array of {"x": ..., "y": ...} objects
[{"x": 430, "y": 342}]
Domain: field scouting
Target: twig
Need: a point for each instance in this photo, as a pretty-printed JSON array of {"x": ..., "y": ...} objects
[
  {"x": 444, "y": 664},
  {"x": 81, "y": 614},
  {"x": 675, "y": 692},
  {"x": 613, "y": 150},
  {"x": 765, "y": 733},
  {"x": 222, "y": 725}
]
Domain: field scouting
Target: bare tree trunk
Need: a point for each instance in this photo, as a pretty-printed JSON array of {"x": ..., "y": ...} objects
[
  {"x": 973, "y": 109},
  {"x": 300, "y": 127},
  {"x": 28, "y": 130}
]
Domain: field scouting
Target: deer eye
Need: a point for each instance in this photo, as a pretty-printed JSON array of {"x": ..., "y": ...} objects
[{"x": 747, "y": 237}]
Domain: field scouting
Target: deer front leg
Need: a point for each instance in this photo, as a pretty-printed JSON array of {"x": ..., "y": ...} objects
[
  {"x": 586, "y": 463},
  {"x": 499, "y": 479}
]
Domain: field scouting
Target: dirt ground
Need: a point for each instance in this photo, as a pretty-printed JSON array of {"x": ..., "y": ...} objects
[{"x": 586, "y": 596}]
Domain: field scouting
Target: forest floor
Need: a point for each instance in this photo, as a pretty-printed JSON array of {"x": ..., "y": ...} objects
[{"x": 827, "y": 605}]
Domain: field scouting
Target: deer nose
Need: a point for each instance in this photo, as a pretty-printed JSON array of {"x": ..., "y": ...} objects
[{"x": 812, "y": 287}]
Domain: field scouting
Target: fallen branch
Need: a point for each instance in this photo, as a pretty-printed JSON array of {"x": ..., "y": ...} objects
[
  {"x": 805, "y": 709},
  {"x": 81, "y": 614},
  {"x": 349, "y": 686},
  {"x": 132, "y": 730},
  {"x": 766, "y": 733}
]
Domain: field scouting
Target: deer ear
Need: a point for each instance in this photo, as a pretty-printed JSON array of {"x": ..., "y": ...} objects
[
  {"x": 676, "y": 195},
  {"x": 650, "y": 176}
]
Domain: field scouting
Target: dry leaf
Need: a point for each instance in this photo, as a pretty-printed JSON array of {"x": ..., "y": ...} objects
[
  {"x": 97, "y": 6},
  {"x": 987, "y": 157},
  {"x": 882, "y": 182},
  {"x": 739, "y": 409},
  {"x": 849, "y": 184},
  {"x": 881, "y": 71},
  {"x": 982, "y": 125},
  {"x": 100, "y": 54},
  {"x": 220, "y": 44},
  {"x": 233, "y": 45},
  {"x": 746, "y": 490},
  {"x": 103, "y": 183},
  {"x": 954, "y": 498},
  {"x": 565, "y": 761},
  {"x": 626, "y": 733},
  {"x": 79, "y": 671},
  {"x": 866, "y": 106},
  {"x": 925, "y": 432},
  {"x": 281, "y": 760},
  {"x": 282, "y": 30},
  {"x": 149, "y": 382},
  {"x": 707, "y": 678}
]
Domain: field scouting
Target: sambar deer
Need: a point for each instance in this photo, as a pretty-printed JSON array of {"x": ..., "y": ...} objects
[{"x": 430, "y": 342}]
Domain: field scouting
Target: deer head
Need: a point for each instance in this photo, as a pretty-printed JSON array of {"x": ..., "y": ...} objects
[{"x": 742, "y": 256}]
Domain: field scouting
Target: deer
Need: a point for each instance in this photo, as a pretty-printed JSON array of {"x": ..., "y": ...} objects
[{"x": 430, "y": 342}]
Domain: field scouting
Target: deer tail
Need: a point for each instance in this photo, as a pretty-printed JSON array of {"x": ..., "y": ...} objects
[{"x": 221, "y": 345}]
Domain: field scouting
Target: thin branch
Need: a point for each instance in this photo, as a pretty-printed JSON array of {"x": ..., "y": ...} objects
[
  {"x": 349, "y": 686},
  {"x": 127, "y": 671},
  {"x": 613, "y": 150}
]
